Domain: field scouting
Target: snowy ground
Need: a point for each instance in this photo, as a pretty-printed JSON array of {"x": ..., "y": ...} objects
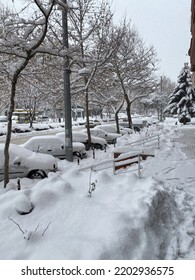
[{"x": 126, "y": 217}]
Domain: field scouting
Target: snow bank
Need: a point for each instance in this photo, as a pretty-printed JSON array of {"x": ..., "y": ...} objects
[{"x": 108, "y": 225}]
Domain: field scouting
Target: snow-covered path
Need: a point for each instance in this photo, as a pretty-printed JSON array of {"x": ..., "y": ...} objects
[
  {"x": 172, "y": 217},
  {"x": 187, "y": 139}
]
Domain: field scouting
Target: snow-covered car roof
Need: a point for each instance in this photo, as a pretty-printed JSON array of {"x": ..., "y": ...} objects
[
  {"x": 3, "y": 119},
  {"x": 78, "y": 136},
  {"x": 55, "y": 140},
  {"x": 43, "y": 138},
  {"x": 112, "y": 128},
  {"x": 100, "y": 131},
  {"x": 94, "y": 139},
  {"x": 109, "y": 133},
  {"x": 151, "y": 120},
  {"x": 78, "y": 140}
]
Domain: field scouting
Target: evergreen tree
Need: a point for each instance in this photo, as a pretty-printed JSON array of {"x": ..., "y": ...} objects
[{"x": 182, "y": 100}]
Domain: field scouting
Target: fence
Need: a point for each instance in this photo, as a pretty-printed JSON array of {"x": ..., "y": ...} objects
[
  {"x": 123, "y": 158},
  {"x": 146, "y": 141},
  {"x": 122, "y": 161}
]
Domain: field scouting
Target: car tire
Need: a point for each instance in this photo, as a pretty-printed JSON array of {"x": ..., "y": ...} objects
[
  {"x": 77, "y": 154},
  {"x": 37, "y": 174},
  {"x": 98, "y": 146}
]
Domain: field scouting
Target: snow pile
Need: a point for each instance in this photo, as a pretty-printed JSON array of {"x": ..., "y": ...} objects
[{"x": 108, "y": 225}]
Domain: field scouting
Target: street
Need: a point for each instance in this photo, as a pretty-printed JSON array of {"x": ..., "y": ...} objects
[{"x": 21, "y": 138}]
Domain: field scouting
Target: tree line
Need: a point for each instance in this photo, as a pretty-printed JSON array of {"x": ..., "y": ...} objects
[{"x": 122, "y": 68}]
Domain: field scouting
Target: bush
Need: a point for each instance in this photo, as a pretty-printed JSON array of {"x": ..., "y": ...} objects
[{"x": 184, "y": 119}]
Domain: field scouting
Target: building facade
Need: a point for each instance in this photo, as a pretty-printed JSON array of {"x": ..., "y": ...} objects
[{"x": 192, "y": 44}]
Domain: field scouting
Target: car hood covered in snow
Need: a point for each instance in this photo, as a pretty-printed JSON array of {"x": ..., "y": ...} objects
[{"x": 28, "y": 158}]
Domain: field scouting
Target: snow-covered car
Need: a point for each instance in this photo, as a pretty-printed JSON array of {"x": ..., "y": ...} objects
[
  {"x": 25, "y": 163},
  {"x": 3, "y": 119},
  {"x": 110, "y": 138},
  {"x": 151, "y": 120},
  {"x": 112, "y": 128},
  {"x": 3, "y": 124},
  {"x": 93, "y": 123},
  {"x": 77, "y": 136},
  {"x": 53, "y": 145},
  {"x": 135, "y": 125}
]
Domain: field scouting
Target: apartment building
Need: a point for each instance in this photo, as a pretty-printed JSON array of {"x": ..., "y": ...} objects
[{"x": 192, "y": 44}]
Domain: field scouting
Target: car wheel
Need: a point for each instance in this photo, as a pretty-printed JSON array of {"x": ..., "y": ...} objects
[
  {"x": 37, "y": 174},
  {"x": 77, "y": 154},
  {"x": 98, "y": 146}
]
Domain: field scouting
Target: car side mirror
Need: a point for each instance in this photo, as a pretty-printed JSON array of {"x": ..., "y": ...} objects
[
  {"x": 49, "y": 148},
  {"x": 17, "y": 161}
]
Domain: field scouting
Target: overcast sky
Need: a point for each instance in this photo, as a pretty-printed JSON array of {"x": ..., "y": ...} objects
[{"x": 165, "y": 24}]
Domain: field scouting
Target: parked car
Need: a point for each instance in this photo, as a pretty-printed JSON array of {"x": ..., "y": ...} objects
[
  {"x": 3, "y": 119},
  {"x": 150, "y": 120},
  {"x": 136, "y": 126},
  {"x": 77, "y": 136},
  {"x": 25, "y": 163},
  {"x": 93, "y": 123},
  {"x": 110, "y": 138},
  {"x": 53, "y": 145},
  {"x": 112, "y": 128}
]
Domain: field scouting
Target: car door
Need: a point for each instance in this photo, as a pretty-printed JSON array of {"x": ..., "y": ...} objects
[
  {"x": 16, "y": 168},
  {"x": 56, "y": 150}
]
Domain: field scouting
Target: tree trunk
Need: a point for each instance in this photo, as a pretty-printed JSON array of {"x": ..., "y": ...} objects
[
  {"x": 117, "y": 122},
  {"x": 31, "y": 122},
  {"x": 8, "y": 134},
  {"x": 128, "y": 109},
  {"x": 87, "y": 117},
  {"x": 31, "y": 118}
]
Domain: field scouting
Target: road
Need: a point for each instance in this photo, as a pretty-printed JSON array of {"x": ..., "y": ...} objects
[{"x": 21, "y": 138}]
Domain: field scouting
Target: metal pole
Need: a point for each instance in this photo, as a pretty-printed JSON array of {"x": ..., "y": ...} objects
[
  {"x": 161, "y": 90},
  {"x": 67, "y": 95},
  {"x": 139, "y": 167}
]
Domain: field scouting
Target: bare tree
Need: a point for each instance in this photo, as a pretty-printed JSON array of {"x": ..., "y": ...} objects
[
  {"x": 134, "y": 66},
  {"x": 158, "y": 100},
  {"x": 91, "y": 31},
  {"x": 21, "y": 40}
]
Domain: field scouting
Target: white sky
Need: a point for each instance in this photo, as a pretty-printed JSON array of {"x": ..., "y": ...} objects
[{"x": 165, "y": 24}]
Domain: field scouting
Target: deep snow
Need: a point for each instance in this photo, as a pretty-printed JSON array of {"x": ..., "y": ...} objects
[{"x": 126, "y": 217}]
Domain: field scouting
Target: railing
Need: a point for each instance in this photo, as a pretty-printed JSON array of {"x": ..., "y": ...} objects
[
  {"x": 126, "y": 160},
  {"x": 123, "y": 159},
  {"x": 153, "y": 139}
]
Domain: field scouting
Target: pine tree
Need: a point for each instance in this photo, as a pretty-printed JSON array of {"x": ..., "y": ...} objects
[{"x": 182, "y": 100}]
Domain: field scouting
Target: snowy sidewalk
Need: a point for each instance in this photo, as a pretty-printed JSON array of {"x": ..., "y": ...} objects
[
  {"x": 174, "y": 202},
  {"x": 175, "y": 160},
  {"x": 187, "y": 139}
]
